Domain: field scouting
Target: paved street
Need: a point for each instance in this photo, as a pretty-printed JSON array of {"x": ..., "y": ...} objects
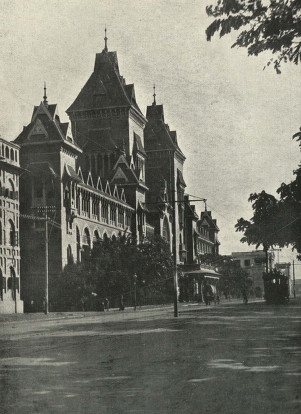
[{"x": 231, "y": 358}]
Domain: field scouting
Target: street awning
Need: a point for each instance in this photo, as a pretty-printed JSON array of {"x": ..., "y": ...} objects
[{"x": 204, "y": 272}]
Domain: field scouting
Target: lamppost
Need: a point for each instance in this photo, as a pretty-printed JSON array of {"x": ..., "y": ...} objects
[{"x": 135, "y": 290}]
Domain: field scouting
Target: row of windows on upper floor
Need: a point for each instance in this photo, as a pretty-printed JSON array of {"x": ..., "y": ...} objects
[
  {"x": 10, "y": 154},
  {"x": 108, "y": 213}
]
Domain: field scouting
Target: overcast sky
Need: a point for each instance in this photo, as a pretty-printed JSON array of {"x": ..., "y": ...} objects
[{"x": 234, "y": 119}]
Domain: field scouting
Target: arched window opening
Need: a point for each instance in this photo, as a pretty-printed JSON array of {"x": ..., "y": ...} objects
[
  {"x": 114, "y": 238},
  {"x": 13, "y": 240},
  {"x": 0, "y": 232},
  {"x": 77, "y": 245},
  {"x": 13, "y": 283},
  {"x": 86, "y": 238},
  {"x": 69, "y": 255},
  {"x": 7, "y": 152},
  {"x": 16, "y": 155},
  {"x": 96, "y": 237},
  {"x": 12, "y": 155},
  {"x": 105, "y": 236},
  {"x": 2, "y": 285},
  {"x": 165, "y": 233}
]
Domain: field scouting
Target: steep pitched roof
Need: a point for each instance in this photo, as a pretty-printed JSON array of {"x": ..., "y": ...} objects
[
  {"x": 157, "y": 135},
  {"x": 105, "y": 88},
  {"x": 46, "y": 126},
  {"x": 206, "y": 216}
]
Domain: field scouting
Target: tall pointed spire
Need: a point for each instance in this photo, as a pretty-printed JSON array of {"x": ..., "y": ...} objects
[
  {"x": 154, "y": 95},
  {"x": 45, "y": 102},
  {"x": 106, "y": 40}
]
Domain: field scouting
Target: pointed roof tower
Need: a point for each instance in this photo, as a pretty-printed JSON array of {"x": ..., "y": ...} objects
[
  {"x": 106, "y": 88},
  {"x": 157, "y": 134}
]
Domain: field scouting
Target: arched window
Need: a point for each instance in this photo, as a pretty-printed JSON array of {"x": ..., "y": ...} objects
[
  {"x": 0, "y": 232},
  {"x": 165, "y": 233},
  {"x": 7, "y": 152},
  {"x": 16, "y": 155},
  {"x": 96, "y": 237},
  {"x": 2, "y": 285},
  {"x": 69, "y": 255},
  {"x": 12, "y": 155},
  {"x": 105, "y": 236},
  {"x": 77, "y": 245},
  {"x": 12, "y": 234},
  {"x": 87, "y": 239},
  {"x": 114, "y": 238},
  {"x": 11, "y": 189}
]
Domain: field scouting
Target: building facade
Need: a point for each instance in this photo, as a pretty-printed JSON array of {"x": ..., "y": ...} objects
[
  {"x": 111, "y": 170},
  {"x": 10, "y": 301}
]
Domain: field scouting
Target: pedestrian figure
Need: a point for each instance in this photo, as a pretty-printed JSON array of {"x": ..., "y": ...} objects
[
  {"x": 121, "y": 305},
  {"x": 107, "y": 304}
]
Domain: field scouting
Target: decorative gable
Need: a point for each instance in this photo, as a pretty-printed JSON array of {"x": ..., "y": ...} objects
[
  {"x": 99, "y": 184},
  {"x": 107, "y": 189},
  {"x": 38, "y": 130},
  {"x": 80, "y": 174},
  {"x": 89, "y": 180},
  {"x": 122, "y": 196},
  {"x": 119, "y": 176},
  {"x": 115, "y": 193}
]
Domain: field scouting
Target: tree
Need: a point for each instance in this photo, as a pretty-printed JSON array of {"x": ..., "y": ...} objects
[
  {"x": 114, "y": 268},
  {"x": 234, "y": 280},
  {"x": 271, "y": 25}
]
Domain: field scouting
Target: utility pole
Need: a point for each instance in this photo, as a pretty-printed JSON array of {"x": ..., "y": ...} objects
[
  {"x": 294, "y": 280},
  {"x": 174, "y": 250},
  {"x": 135, "y": 291},
  {"x": 46, "y": 264}
]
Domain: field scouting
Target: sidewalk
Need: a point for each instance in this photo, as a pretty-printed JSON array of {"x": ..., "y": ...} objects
[{"x": 51, "y": 316}]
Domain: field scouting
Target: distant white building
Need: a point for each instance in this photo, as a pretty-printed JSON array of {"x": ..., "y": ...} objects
[{"x": 254, "y": 264}]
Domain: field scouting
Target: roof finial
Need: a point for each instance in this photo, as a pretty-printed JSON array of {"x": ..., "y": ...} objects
[
  {"x": 45, "y": 102},
  {"x": 154, "y": 95},
  {"x": 106, "y": 40}
]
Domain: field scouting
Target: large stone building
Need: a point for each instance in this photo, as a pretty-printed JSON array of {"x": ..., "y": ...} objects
[
  {"x": 9, "y": 228},
  {"x": 111, "y": 170}
]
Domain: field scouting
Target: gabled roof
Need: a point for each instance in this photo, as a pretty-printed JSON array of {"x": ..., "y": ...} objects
[
  {"x": 88, "y": 184},
  {"x": 105, "y": 88},
  {"x": 206, "y": 217},
  {"x": 157, "y": 135},
  {"x": 46, "y": 126}
]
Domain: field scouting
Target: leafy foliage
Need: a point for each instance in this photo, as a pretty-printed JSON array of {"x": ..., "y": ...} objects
[
  {"x": 234, "y": 280},
  {"x": 112, "y": 269},
  {"x": 264, "y": 25}
]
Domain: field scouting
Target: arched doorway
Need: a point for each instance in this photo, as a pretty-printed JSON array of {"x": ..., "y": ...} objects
[{"x": 12, "y": 283}]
